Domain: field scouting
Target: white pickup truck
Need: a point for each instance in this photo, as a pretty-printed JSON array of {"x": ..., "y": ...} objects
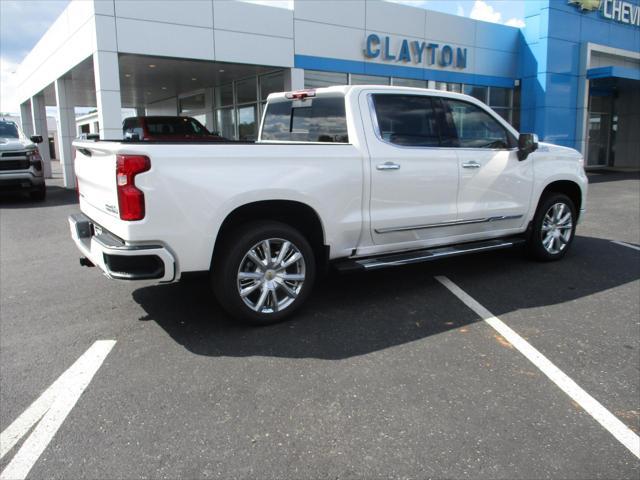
[{"x": 358, "y": 177}]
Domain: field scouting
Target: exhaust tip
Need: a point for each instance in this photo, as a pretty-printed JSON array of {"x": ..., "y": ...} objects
[{"x": 85, "y": 262}]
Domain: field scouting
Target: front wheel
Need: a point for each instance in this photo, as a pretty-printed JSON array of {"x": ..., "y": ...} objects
[
  {"x": 554, "y": 226},
  {"x": 263, "y": 272}
]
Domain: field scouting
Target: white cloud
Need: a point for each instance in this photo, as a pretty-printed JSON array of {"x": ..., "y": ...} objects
[
  {"x": 483, "y": 11},
  {"x": 412, "y": 3},
  {"x": 8, "y": 86},
  {"x": 459, "y": 10},
  {"x": 288, "y": 4},
  {"x": 515, "y": 22}
]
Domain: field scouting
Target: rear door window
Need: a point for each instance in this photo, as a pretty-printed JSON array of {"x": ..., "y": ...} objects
[
  {"x": 408, "y": 120},
  {"x": 314, "y": 119}
]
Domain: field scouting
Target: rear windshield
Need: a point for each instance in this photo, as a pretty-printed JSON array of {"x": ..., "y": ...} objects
[
  {"x": 174, "y": 126},
  {"x": 9, "y": 130},
  {"x": 315, "y": 119}
]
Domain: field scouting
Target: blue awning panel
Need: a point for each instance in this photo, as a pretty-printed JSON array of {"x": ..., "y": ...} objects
[{"x": 614, "y": 72}]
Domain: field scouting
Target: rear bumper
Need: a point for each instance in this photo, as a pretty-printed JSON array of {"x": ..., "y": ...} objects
[{"x": 118, "y": 260}]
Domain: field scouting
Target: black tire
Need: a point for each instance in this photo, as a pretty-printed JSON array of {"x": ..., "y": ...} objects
[
  {"x": 39, "y": 195},
  {"x": 232, "y": 255},
  {"x": 536, "y": 240}
]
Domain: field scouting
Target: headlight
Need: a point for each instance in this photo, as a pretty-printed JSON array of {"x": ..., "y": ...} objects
[{"x": 35, "y": 159}]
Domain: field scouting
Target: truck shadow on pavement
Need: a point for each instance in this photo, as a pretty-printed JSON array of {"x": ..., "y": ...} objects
[
  {"x": 56, "y": 197},
  {"x": 350, "y": 315}
]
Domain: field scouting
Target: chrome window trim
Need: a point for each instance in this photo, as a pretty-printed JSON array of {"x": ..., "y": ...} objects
[
  {"x": 376, "y": 127},
  {"x": 454, "y": 223}
]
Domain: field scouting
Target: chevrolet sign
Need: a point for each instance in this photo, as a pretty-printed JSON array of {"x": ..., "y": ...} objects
[{"x": 615, "y": 10}]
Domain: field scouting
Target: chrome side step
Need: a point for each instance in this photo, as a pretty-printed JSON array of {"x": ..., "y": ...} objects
[{"x": 425, "y": 255}]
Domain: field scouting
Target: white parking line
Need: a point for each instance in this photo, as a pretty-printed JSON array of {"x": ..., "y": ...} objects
[
  {"x": 624, "y": 244},
  {"x": 52, "y": 406},
  {"x": 609, "y": 421}
]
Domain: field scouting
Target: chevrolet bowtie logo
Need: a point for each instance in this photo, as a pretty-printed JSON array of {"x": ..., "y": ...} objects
[{"x": 586, "y": 4}]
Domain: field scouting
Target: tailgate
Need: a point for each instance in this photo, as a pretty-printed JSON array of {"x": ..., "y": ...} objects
[{"x": 95, "y": 167}]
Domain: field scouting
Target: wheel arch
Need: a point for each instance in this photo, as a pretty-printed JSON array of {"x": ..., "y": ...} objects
[
  {"x": 568, "y": 187},
  {"x": 291, "y": 212}
]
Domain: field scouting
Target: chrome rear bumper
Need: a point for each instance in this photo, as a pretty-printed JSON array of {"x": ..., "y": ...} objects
[{"x": 117, "y": 259}]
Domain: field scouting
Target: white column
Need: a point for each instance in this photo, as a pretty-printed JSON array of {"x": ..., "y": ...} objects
[
  {"x": 293, "y": 79},
  {"x": 39, "y": 117},
  {"x": 140, "y": 111},
  {"x": 107, "y": 78},
  {"x": 66, "y": 129},
  {"x": 26, "y": 119},
  {"x": 208, "y": 106}
]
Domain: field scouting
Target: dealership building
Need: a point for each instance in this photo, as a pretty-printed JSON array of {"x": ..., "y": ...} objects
[{"x": 571, "y": 75}]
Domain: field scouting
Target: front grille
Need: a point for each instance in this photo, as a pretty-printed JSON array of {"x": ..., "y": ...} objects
[
  {"x": 14, "y": 154},
  {"x": 14, "y": 164}
]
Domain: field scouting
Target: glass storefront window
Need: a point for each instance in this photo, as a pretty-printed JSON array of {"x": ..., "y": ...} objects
[
  {"x": 247, "y": 122},
  {"x": 449, "y": 87},
  {"x": 271, "y": 83},
  {"x": 246, "y": 90},
  {"x": 317, "y": 79},
  {"x": 409, "y": 82},
  {"x": 224, "y": 95},
  {"x": 477, "y": 91},
  {"x": 225, "y": 121},
  {"x": 500, "y": 97},
  {"x": 368, "y": 80},
  {"x": 194, "y": 103}
]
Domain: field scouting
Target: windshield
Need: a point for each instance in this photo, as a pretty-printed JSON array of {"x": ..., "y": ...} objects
[
  {"x": 175, "y": 126},
  {"x": 8, "y": 130}
]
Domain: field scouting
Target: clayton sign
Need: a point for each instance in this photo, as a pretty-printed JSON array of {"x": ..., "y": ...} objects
[{"x": 415, "y": 52}]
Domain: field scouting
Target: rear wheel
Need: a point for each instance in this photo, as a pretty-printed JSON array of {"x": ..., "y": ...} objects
[
  {"x": 553, "y": 227},
  {"x": 263, "y": 272}
]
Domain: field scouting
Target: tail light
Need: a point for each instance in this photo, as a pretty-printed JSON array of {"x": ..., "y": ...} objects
[{"x": 130, "y": 198}]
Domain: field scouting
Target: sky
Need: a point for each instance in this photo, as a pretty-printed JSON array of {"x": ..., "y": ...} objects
[{"x": 23, "y": 22}]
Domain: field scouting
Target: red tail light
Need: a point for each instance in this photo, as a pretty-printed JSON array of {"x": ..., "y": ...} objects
[{"x": 130, "y": 199}]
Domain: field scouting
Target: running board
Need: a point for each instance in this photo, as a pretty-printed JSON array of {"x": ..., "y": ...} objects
[{"x": 425, "y": 255}]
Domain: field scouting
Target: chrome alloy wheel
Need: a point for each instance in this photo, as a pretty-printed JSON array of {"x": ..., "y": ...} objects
[
  {"x": 557, "y": 228},
  {"x": 271, "y": 275}
]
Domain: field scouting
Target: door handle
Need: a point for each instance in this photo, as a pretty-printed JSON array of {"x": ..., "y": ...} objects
[
  {"x": 471, "y": 165},
  {"x": 388, "y": 166}
]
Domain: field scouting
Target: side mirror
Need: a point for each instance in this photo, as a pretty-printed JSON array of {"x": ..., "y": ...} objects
[
  {"x": 527, "y": 144},
  {"x": 36, "y": 138}
]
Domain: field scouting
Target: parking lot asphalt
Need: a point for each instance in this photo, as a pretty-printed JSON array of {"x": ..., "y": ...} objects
[{"x": 384, "y": 374}]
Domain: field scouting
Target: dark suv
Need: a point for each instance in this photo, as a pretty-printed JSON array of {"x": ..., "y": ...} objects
[
  {"x": 20, "y": 161},
  {"x": 167, "y": 128}
]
